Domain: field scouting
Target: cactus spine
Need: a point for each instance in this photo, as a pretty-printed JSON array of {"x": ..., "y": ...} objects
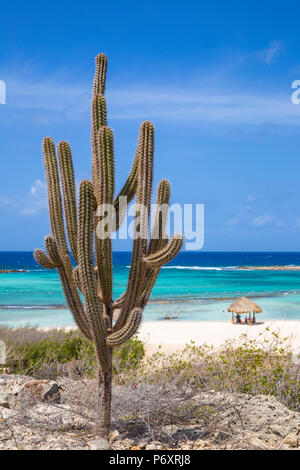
[{"x": 94, "y": 317}]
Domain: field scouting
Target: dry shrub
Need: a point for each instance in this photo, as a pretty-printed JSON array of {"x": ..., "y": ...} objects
[
  {"x": 163, "y": 390},
  {"x": 254, "y": 366}
]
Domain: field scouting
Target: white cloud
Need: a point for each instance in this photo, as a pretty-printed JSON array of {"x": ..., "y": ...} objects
[
  {"x": 239, "y": 217},
  {"x": 267, "y": 219},
  {"x": 36, "y": 201},
  {"x": 28, "y": 211},
  {"x": 263, "y": 219},
  {"x": 46, "y": 101},
  {"x": 279, "y": 223},
  {"x": 32, "y": 203},
  {"x": 268, "y": 54},
  {"x": 38, "y": 187},
  {"x": 251, "y": 198},
  {"x": 259, "y": 211},
  {"x": 206, "y": 105},
  {"x": 5, "y": 201}
]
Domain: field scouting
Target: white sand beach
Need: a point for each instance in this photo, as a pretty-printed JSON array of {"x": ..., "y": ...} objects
[{"x": 172, "y": 335}]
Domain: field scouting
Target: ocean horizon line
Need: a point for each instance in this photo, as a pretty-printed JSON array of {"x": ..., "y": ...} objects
[{"x": 184, "y": 251}]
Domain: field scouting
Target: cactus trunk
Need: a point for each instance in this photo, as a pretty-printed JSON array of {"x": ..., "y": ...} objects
[
  {"x": 102, "y": 424},
  {"x": 94, "y": 315}
]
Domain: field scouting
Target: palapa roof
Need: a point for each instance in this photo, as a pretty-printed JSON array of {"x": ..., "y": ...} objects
[{"x": 244, "y": 305}]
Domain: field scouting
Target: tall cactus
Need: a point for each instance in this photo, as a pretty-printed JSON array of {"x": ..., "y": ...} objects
[{"x": 95, "y": 317}]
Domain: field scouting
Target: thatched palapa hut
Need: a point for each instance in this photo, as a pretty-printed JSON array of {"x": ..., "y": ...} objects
[{"x": 244, "y": 305}]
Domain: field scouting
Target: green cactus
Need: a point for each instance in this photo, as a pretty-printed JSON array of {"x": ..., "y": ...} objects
[{"x": 95, "y": 316}]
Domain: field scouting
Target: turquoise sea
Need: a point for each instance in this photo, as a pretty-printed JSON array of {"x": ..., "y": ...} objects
[{"x": 196, "y": 286}]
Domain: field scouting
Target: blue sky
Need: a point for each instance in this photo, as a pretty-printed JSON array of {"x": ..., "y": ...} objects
[{"x": 214, "y": 77}]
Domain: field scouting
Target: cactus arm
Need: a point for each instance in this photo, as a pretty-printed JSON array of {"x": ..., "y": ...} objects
[
  {"x": 103, "y": 159},
  {"x": 73, "y": 300},
  {"x": 130, "y": 186},
  {"x": 103, "y": 175},
  {"x": 145, "y": 179},
  {"x": 43, "y": 259},
  {"x": 166, "y": 254},
  {"x": 158, "y": 239},
  {"x": 54, "y": 199},
  {"x": 152, "y": 274},
  {"x": 98, "y": 117},
  {"x": 69, "y": 197},
  {"x": 69, "y": 286},
  {"x": 100, "y": 74},
  {"x": 93, "y": 305},
  {"x": 128, "y": 191},
  {"x": 76, "y": 277},
  {"x": 56, "y": 246},
  {"x": 119, "y": 302},
  {"x": 52, "y": 250},
  {"x": 162, "y": 204},
  {"x": 150, "y": 279},
  {"x": 136, "y": 275},
  {"x": 98, "y": 107},
  {"x": 128, "y": 330},
  {"x": 103, "y": 183}
]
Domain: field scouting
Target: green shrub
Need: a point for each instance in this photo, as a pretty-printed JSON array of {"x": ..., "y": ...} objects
[
  {"x": 36, "y": 353},
  {"x": 128, "y": 355}
]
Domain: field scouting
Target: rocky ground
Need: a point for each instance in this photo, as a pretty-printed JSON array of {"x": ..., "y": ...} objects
[{"x": 41, "y": 414}]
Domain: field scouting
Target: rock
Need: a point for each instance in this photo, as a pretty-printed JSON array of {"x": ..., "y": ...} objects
[
  {"x": 114, "y": 436},
  {"x": 6, "y": 413},
  {"x": 39, "y": 390},
  {"x": 99, "y": 443},
  {"x": 170, "y": 429},
  {"x": 10, "y": 386},
  {"x": 199, "y": 444},
  {"x": 62, "y": 417},
  {"x": 154, "y": 446},
  {"x": 125, "y": 444},
  {"x": 291, "y": 440},
  {"x": 12, "y": 383},
  {"x": 240, "y": 421},
  {"x": 142, "y": 445},
  {"x": 8, "y": 400},
  {"x": 220, "y": 436}
]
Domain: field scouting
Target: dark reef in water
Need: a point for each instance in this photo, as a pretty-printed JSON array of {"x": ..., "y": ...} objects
[{"x": 4, "y": 271}]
